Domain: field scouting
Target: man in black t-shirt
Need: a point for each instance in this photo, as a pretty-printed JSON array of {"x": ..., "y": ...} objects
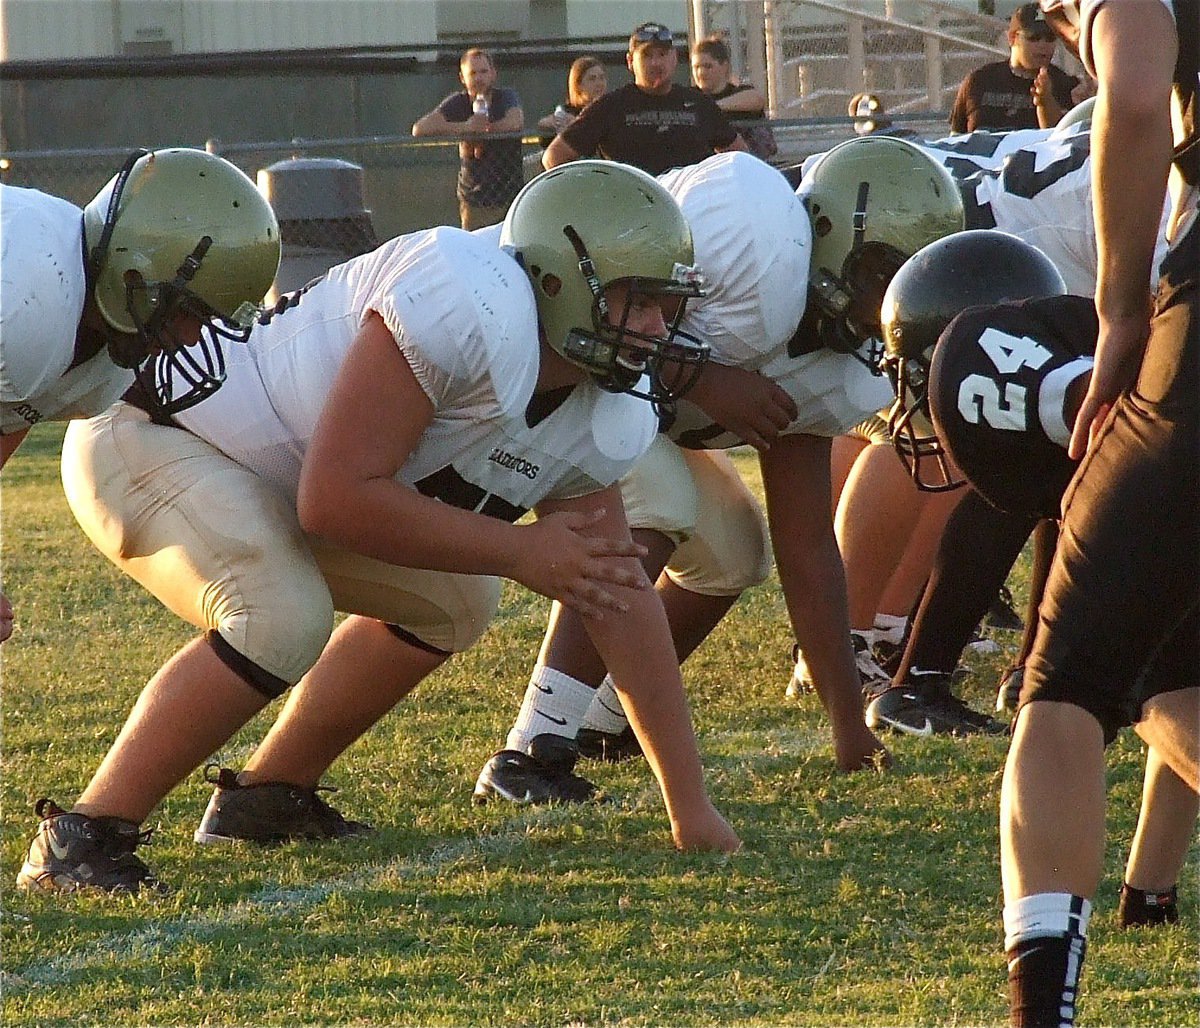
[
  {"x": 1025, "y": 91},
  {"x": 652, "y": 123}
]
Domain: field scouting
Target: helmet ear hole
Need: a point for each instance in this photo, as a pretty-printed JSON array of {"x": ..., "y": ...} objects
[
  {"x": 822, "y": 226},
  {"x": 551, "y": 284}
]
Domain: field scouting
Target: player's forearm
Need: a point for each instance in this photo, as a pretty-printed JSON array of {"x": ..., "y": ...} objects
[
  {"x": 638, "y": 652},
  {"x": 9, "y": 442},
  {"x": 814, "y": 590},
  {"x": 392, "y": 522},
  {"x": 1131, "y": 153}
]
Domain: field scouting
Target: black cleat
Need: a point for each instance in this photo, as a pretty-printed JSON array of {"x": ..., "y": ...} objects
[
  {"x": 1147, "y": 908},
  {"x": 609, "y": 747},
  {"x": 542, "y": 774},
  {"x": 73, "y": 851},
  {"x": 924, "y": 705},
  {"x": 269, "y": 812}
]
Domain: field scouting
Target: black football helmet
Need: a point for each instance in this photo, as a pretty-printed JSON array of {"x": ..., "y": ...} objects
[{"x": 977, "y": 268}]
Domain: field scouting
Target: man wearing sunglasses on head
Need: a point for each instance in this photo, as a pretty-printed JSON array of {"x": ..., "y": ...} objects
[
  {"x": 651, "y": 123},
  {"x": 1025, "y": 91}
]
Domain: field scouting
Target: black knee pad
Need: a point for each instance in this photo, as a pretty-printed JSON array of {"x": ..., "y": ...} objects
[
  {"x": 406, "y": 636},
  {"x": 254, "y": 676}
]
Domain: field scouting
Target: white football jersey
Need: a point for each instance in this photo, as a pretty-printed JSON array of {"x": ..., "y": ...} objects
[
  {"x": 965, "y": 152},
  {"x": 463, "y": 315},
  {"x": 753, "y": 240},
  {"x": 42, "y": 293},
  {"x": 754, "y": 295},
  {"x": 1042, "y": 193}
]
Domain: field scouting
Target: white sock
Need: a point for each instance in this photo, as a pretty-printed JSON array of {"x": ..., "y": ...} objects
[
  {"x": 1046, "y": 914},
  {"x": 890, "y": 628},
  {"x": 554, "y": 704},
  {"x": 606, "y": 713}
]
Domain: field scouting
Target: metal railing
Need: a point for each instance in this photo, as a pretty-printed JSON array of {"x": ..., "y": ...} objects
[{"x": 813, "y": 55}]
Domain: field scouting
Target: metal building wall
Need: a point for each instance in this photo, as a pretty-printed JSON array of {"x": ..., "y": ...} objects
[
  {"x": 235, "y": 25},
  {"x": 33, "y": 30},
  {"x": 52, "y": 29}
]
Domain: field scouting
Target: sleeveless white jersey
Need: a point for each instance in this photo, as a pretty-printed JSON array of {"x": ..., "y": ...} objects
[
  {"x": 463, "y": 316},
  {"x": 42, "y": 293},
  {"x": 753, "y": 240}
]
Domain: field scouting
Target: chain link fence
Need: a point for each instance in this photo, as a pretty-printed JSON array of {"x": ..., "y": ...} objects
[{"x": 406, "y": 184}]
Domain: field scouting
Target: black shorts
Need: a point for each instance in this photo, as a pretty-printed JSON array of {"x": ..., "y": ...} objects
[{"x": 1119, "y": 620}]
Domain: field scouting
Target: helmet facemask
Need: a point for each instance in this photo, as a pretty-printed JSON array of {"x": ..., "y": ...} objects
[
  {"x": 913, "y": 436},
  {"x": 175, "y": 372},
  {"x": 151, "y": 241},
  {"x": 618, "y": 356}
]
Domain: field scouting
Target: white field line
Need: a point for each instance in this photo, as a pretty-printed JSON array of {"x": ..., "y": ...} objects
[{"x": 158, "y": 939}]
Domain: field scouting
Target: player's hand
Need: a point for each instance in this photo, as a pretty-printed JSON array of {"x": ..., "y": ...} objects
[
  {"x": 706, "y": 832},
  {"x": 1119, "y": 349},
  {"x": 743, "y": 402},
  {"x": 858, "y": 749},
  {"x": 477, "y": 123},
  {"x": 563, "y": 559},
  {"x": 6, "y": 617}
]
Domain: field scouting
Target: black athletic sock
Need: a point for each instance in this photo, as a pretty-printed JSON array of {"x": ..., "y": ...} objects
[
  {"x": 1045, "y": 939},
  {"x": 1043, "y": 980},
  {"x": 1138, "y": 907}
]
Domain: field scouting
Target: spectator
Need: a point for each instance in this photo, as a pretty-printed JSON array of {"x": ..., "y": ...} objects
[
  {"x": 711, "y": 73},
  {"x": 586, "y": 80},
  {"x": 870, "y": 118},
  {"x": 490, "y": 173},
  {"x": 651, "y": 123},
  {"x": 1026, "y": 91}
]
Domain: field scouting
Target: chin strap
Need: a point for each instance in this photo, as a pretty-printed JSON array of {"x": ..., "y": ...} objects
[{"x": 93, "y": 260}]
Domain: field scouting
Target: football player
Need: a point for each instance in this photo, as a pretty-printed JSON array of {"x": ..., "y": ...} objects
[
  {"x": 375, "y": 441},
  {"x": 97, "y": 302},
  {"x": 1042, "y": 195},
  {"x": 1122, "y": 599},
  {"x": 1004, "y": 386},
  {"x": 789, "y": 373}
]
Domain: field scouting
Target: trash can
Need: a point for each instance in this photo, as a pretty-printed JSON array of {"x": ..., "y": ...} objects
[{"x": 322, "y": 217}]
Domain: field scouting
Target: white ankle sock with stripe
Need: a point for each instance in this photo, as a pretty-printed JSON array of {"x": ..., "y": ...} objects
[
  {"x": 554, "y": 704},
  {"x": 606, "y": 713}
]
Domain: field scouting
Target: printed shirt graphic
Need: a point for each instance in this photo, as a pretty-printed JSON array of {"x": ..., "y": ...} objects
[
  {"x": 654, "y": 133},
  {"x": 463, "y": 315},
  {"x": 42, "y": 292}
]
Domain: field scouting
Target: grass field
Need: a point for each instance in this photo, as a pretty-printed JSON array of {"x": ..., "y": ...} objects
[{"x": 863, "y": 900}]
